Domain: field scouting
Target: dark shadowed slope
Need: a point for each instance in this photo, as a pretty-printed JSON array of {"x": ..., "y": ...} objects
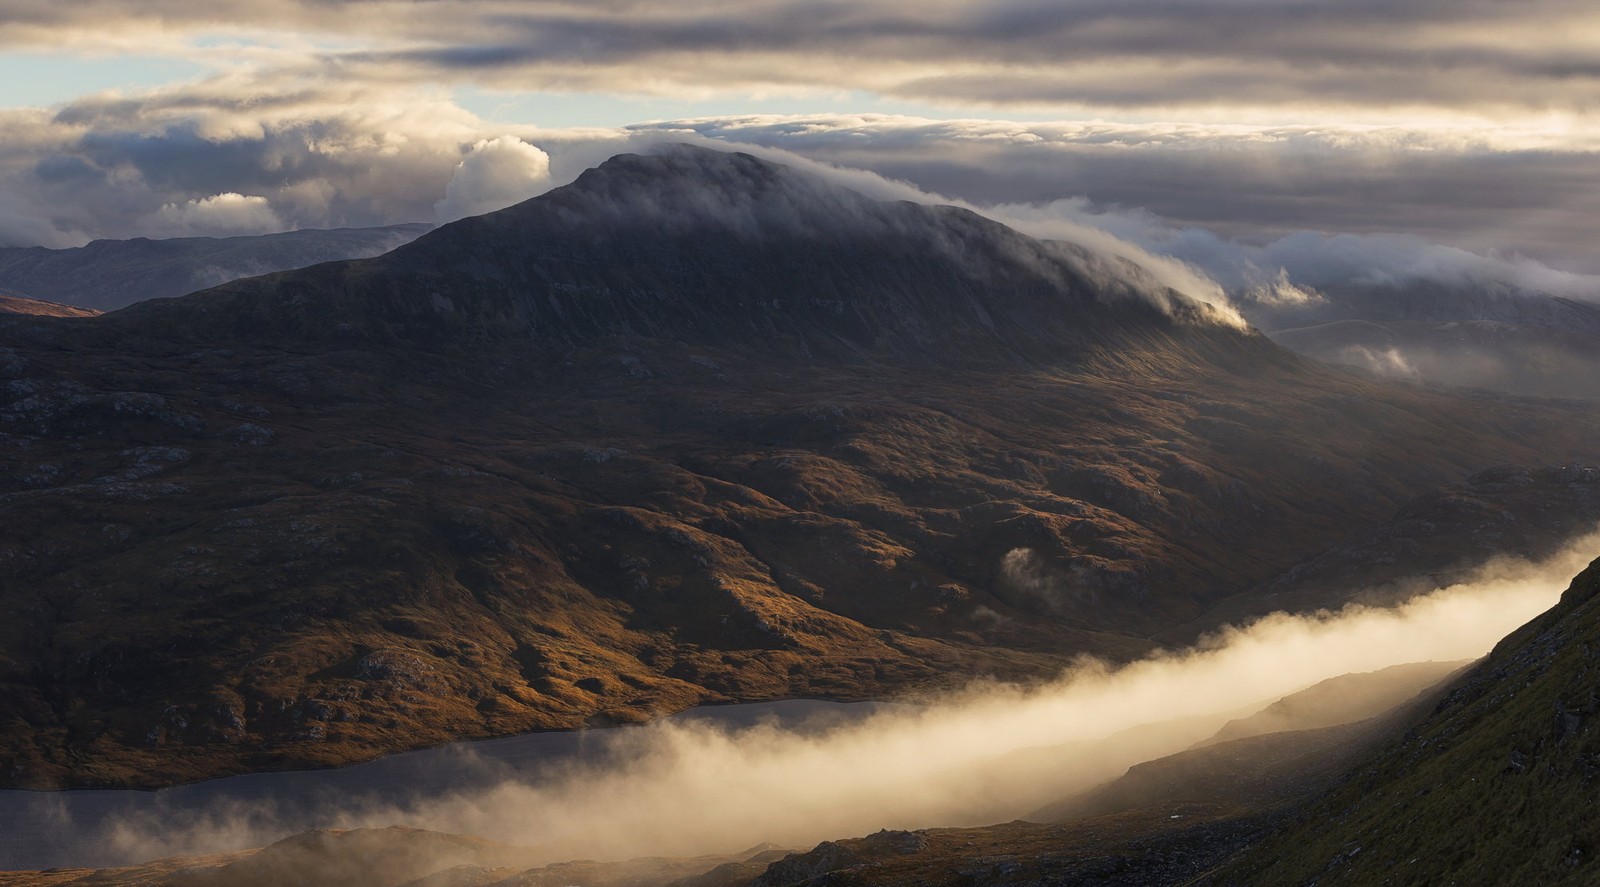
[
  {"x": 713, "y": 250},
  {"x": 110, "y": 274},
  {"x": 1433, "y": 541},
  {"x": 1340, "y": 700},
  {"x": 1283, "y": 754},
  {"x": 695, "y": 428},
  {"x": 1496, "y": 786}
]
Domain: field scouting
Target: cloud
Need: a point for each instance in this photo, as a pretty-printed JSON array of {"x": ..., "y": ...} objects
[
  {"x": 1115, "y": 265},
  {"x": 155, "y": 162},
  {"x": 988, "y": 754},
  {"x": 218, "y": 215},
  {"x": 111, "y": 166},
  {"x": 495, "y": 174},
  {"x": 1205, "y": 208},
  {"x": 1531, "y": 191},
  {"x": 1214, "y": 56},
  {"x": 1384, "y": 362}
]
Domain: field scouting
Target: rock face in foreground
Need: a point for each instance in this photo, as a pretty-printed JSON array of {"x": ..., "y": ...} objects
[
  {"x": 695, "y": 428},
  {"x": 1496, "y": 786}
]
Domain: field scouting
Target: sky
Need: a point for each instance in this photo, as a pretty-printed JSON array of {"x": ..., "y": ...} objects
[{"x": 1461, "y": 129}]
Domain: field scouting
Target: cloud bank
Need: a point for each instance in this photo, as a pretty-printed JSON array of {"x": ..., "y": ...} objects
[
  {"x": 1530, "y": 192},
  {"x": 1214, "y": 56},
  {"x": 988, "y": 754},
  {"x": 1247, "y": 214},
  {"x": 218, "y": 215},
  {"x": 199, "y": 159},
  {"x": 495, "y": 174}
]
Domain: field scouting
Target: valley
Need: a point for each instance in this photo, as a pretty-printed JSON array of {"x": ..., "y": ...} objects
[{"x": 702, "y": 429}]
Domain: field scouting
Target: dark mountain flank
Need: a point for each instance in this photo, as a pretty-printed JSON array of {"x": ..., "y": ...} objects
[
  {"x": 694, "y": 428},
  {"x": 704, "y": 249},
  {"x": 108, "y": 274},
  {"x": 1496, "y": 785}
]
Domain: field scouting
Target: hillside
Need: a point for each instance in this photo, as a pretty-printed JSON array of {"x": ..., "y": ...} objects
[
  {"x": 109, "y": 274},
  {"x": 1495, "y": 786},
  {"x": 695, "y": 428}
]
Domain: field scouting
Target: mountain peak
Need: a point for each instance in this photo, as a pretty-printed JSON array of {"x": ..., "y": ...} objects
[
  {"x": 680, "y": 188},
  {"x": 709, "y": 249}
]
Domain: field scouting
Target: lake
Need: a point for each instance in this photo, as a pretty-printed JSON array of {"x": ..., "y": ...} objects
[{"x": 72, "y": 828}]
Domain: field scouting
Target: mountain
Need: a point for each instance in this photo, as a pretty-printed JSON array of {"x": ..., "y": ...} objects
[
  {"x": 1345, "y": 699},
  {"x": 1296, "y": 746},
  {"x": 109, "y": 274},
  {"x": 707, "y": 250},
  {"x": 1424, "y": 545},
  {"x": 1496, "y": 785},
  {"x": 695, "y": 428},
  {"x": 1464, "y": 334}
]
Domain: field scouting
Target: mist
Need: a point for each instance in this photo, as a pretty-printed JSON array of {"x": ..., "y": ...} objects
[
  {"x": 1477, "y": 354},
  {"x": 990, "y": 752}
]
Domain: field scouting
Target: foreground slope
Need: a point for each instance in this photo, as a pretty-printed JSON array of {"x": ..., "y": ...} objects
[
  {"x": 1496, "y": 786},
  {"x": 695, "y": 428}
]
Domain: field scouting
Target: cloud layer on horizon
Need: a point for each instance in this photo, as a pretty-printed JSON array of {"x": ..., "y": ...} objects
[
  {"x": 1484, "y": 190},
  {"x": 1463, "y": 123},
  {"x": 1243, "y": 205},
  {"x": 1430, "y": 55}
]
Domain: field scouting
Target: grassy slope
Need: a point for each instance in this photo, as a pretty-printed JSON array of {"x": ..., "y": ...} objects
[{"x": 1496, "y": 786}]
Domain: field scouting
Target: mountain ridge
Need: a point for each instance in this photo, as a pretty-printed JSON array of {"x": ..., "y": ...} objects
[
  {"x": 318, "y": 516},
  {"x": 105, "y": 275},
  {"x": 777, "y": 259}
]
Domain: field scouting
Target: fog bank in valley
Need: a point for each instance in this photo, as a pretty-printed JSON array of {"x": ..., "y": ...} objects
[{"x": 989, "y": 753}]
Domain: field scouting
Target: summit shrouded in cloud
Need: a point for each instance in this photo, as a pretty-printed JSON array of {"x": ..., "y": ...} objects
[
  {"x": 1297, "y": 163},
  {"x": 1462, "y": 123}
]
